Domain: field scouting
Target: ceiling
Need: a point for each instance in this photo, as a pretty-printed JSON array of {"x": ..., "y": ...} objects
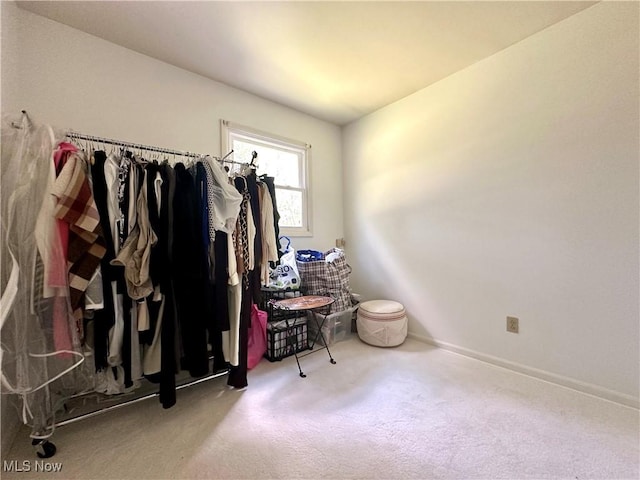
[{"x": 336, "y": 61}]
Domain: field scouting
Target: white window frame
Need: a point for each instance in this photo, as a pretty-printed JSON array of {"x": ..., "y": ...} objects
[{"x": 227, "y": 131}]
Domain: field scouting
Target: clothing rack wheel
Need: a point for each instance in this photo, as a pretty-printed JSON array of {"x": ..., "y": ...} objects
[{"x": 44, "y": 448}]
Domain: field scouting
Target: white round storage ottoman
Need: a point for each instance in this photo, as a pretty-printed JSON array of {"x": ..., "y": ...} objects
[{"x": 382, "y": 323}]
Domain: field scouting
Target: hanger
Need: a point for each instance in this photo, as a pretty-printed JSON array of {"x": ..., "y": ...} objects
[
  {"x": 23, "y": 119},
  {"x": 226, "y": 156}
]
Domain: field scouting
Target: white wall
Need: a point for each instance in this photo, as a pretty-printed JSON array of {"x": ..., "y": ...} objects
[
  {"x": 511, "y": 188},
  {"x": 73, "y": 80},
  {"x": 70, "y": 79}
]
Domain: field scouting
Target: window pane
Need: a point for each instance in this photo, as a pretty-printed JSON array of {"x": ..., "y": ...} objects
[
  {"x": 284, "y": 166},
  {"x": 241, "y": 150},
  {"x": 284, "y": 160},
  {"x": 281, "y": 164},
  {"x": 289, "y": 207}
]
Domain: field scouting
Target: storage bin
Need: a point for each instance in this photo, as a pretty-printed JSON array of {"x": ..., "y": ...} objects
[
  {"x": 269, "y": 294},
  {"x": 283, "y": 340},
  {"x": 336, "y": 328}
]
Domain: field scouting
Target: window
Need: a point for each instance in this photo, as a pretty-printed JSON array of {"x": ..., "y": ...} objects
[{"x": 286, "y": 161}]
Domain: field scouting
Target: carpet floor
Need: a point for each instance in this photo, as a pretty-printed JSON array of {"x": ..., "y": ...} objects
[{"x": 411, "y": 412}]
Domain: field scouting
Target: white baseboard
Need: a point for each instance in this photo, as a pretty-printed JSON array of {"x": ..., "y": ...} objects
[{"x": 568, "y": 382}]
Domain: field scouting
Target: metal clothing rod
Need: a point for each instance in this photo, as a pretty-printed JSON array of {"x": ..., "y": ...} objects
[
  {"x": 139, "y": 146},
  {"x": 136, "y": 400},
  {"x": 135, "y": 146}
]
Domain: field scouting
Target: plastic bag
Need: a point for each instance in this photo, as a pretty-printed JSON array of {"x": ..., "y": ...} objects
[
  {"x": 286, "y": 275},
  {"x": 257, "y": 344}
]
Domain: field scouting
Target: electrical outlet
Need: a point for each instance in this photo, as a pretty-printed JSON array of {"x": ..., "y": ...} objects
[
  {"x": 340, "y": 242},
  {"x": 513, "y": 324}
]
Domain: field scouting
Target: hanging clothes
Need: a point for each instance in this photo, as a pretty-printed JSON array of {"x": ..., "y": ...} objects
[
  {"x": 256, "y": 247},
  {"x": 224, "y": 200},
  {"x": 75, "y": 206},
  {"x": 269, "y": 245},
  {"x": 170, "y": 351},
  {"x": 32, "y": 367},
  {"x": 135, "y": 255},
  {"x": 238, "y": 373},
  {"x": 190, "y": 273},
  {"x": 104, "y": 319}
]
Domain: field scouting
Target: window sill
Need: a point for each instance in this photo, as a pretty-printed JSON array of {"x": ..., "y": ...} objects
[{"x": 295, "y": 232}]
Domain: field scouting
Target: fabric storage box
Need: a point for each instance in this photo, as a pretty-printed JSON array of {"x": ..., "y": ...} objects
[
  {"x": 283, "y": 341},
  {"x": 336, "y": 328},
  {"x": 382, "y": 323}
]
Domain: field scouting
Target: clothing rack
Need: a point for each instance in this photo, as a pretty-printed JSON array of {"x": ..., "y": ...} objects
[
  {"x": 83, "y": 416},
  {"x": 44, "y": 447},
  {"x": 149, "y": 148}
]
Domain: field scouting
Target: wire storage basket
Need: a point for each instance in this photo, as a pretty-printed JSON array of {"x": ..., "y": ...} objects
[{"x": 284, "y": 340}]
